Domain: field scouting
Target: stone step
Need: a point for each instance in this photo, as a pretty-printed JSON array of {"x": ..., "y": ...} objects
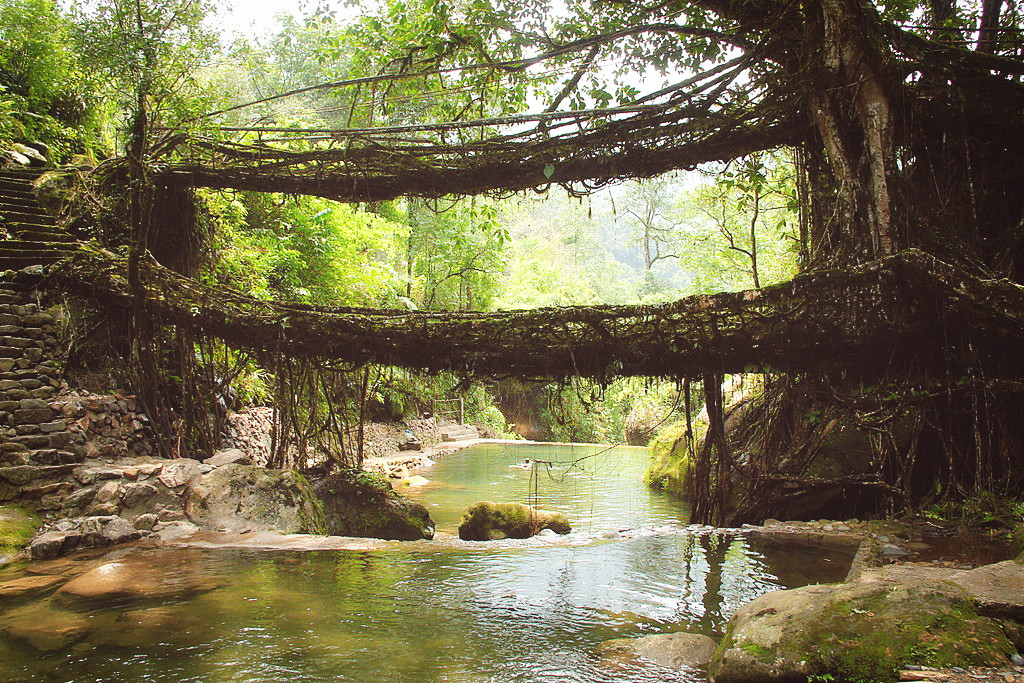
[
  {"x": 18, "y": 203},
  {"x": 16, "y": 185},
  {"x": 19, "y": 262},
  {"x": 16, "y": 195},
  {"x": 35, "y": 245},
  {"x": 27, "y": 223},
  {"x": 21, "y": 175},
  {"x": 15, "y": 249},
  {"x": 30, "y": 234},
  {"x": 30, "y": 215},
  {"x": 459, "y": 433}
]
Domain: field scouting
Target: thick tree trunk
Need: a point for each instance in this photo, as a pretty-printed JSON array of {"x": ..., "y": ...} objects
[{"x": 852, "y": 109}]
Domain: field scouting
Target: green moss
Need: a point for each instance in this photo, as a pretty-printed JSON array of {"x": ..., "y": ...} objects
[
  {"x": 485, "y": 520},
  {"x": 311, "y": 514},
  {"x": 670, "y": 466},
  {"x": 867, "y": 639},
  {"x": 1017, "y": 543},
  {"x": 17, "y": 526},
  {"x": 757, "y": 651}
]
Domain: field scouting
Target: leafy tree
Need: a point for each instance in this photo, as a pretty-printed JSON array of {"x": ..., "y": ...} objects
[
  {"x": 741, "y": 229},
  {"x": 304, "y": 249},
  {"x": 454, "y": 255},
  {"x": 44, "y": 90},
  {"x": 148, "y": 54}
]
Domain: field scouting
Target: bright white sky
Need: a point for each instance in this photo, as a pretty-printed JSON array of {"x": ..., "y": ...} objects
[{"x": 256, "y": 18}]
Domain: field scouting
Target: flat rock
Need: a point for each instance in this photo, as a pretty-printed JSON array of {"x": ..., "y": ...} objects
[
  {"x": 670, "y": 650},
  {"x": 83, "y": 532},
  {"x": 45, "y": 628},
  {"x": 161, "y": 575},
  {"x": 53, "y": 544},
  {"x": 229, "y": 456},
  {"x": 997, "y": 589},
  {"x": 27, "y": 585},
  {"x": 179, "y": 472},
  {"x": 856, "y": 631}
]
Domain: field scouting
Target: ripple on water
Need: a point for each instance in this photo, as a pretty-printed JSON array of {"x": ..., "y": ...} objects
[{"x": 531, "y": 610}]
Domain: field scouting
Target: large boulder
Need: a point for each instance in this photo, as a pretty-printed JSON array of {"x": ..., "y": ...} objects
[
  {"x": 856, "y": 631},
  {"x": 237, "y": 497},
  {"x": 487, "y": 521},
  {"x": 360, "y": 503}
]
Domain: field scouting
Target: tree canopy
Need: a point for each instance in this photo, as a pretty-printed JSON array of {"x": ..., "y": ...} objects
[{"x": 907, "y": 198}]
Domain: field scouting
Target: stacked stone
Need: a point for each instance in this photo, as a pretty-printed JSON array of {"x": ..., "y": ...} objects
[
  {"x": 33, "y": 433},
  {"x": 250, "y": 431},
  {"x": 108, "y": 426}
]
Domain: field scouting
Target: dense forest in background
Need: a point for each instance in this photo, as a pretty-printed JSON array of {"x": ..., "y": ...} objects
[
  {"x": 641, "y": 242},
  {"x": 823, "y": 138}
]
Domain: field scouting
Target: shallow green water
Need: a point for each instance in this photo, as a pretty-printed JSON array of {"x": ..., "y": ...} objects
[
  {"x": 530, "y": 610},
  {"x": 597, "y": 487}
]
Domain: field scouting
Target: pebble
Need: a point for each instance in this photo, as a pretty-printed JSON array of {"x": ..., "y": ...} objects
[{"x": 1017, "y": 659}]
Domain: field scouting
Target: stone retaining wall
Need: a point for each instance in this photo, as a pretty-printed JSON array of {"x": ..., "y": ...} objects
[{"x": 34, "y": 435}]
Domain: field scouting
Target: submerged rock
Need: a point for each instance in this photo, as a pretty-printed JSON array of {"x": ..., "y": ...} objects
[
  {"x": 487, "y": 521},
  {"x": 158, "y": 576},
  {"x": 856, "y": 631},
  {"x": 670, "y": 650},
  {"x": 45, "y": 628},
  {"x": 27, "y": 585},
  {"x": 144, "y": 628},
  {"x": 359, "y": 503},
  {"x": 240, "y": 497}
]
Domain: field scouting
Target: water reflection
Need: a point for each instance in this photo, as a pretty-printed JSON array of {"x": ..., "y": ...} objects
[{"x": 526, "y": 612}]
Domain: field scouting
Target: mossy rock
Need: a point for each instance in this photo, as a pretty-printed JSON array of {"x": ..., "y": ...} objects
[
  {"x": 239, "y": 497},
  {"x": 1017, "y": 543},
  {"x": 858, "y": 632},
  {"x": 17, "y": 526},
  {"x": 487, "y": 521},
  {"x": 670, "y": 467},
  {"x": 360, "y": 503}
]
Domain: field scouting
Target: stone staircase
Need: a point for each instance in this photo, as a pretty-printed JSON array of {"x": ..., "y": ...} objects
[
  {"x": 32, "y": 237},
  {"x": 458, "y": 432}
]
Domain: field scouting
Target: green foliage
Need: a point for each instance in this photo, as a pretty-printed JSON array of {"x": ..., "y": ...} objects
[
  {"x": 481, "y": 409},
  {"x": 44, "y": 91},
  {"x": 305, "y": 249},
  {"x": 453, "y": 258},
  {"x": 147, "y": 51},
  {"x": 983, "y": 509},
  {"x": 741, "y": 229}
]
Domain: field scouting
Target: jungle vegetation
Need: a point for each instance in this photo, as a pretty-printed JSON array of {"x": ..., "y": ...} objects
[{"x": 857, "y": 242}]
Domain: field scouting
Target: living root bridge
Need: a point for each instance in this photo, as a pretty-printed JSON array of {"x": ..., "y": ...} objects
[{"x": 872, "y": 316}]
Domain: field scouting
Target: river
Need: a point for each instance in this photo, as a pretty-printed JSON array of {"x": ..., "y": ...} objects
[{"x": 444, "y": 610}]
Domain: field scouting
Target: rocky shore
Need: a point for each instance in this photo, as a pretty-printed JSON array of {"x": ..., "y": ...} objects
[{"x": 921, "y": 602}]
